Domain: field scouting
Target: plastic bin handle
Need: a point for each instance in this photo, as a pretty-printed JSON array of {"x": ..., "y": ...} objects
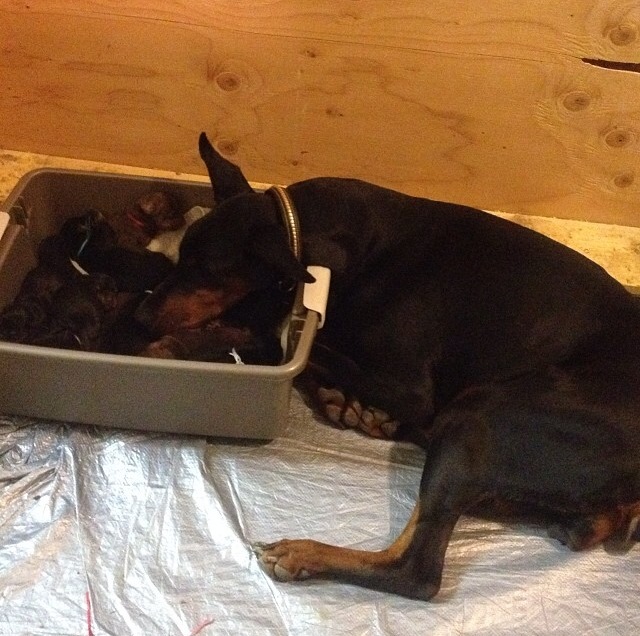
[{"x": 315, "y": 294}]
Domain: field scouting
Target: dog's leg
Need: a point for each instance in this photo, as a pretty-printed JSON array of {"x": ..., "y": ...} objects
[{"x": 412, "y": 565}]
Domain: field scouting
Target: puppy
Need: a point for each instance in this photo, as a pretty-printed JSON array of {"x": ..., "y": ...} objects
[
  {"x": 80, "y": 310},
  {"x": 154, "y": 213},
  {"x": 84, "y": 233},
  {"x": 27, "y": 318},
  {"x": 168, "y": 242},
  {"x": 88, "y": 243},
  {"x": 513, "y": 361}
]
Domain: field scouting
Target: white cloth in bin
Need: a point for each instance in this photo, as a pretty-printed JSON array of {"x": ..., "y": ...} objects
[{"x": 106, "y": 532}]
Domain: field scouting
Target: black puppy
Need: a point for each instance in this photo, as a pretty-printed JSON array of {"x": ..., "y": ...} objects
[
  {"x": 89, "y": 241},
  {"x": 512, "y": 360}
]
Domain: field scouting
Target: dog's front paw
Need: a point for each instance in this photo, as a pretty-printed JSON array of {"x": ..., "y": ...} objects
[{"x": 288, "y": 560}]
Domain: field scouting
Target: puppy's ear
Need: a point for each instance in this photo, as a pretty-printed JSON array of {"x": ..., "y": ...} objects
[
  {"x": 272, "y": 247},
  {"x": 227, "y": 179}
]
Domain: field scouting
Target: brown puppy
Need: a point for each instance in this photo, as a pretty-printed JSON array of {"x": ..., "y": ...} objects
[
  {"x": 28, "y": 316},
  {"x": 512, "y": 360},
  {"x": 154, "y": 213},
  {"x": 79, "y": 313}
]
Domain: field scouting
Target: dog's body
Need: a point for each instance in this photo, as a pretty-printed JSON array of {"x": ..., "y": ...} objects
[{"x": 512, "y": 360}]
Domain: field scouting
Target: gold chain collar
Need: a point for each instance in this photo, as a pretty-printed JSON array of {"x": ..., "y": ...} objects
[{"x": 289, "y": 218}]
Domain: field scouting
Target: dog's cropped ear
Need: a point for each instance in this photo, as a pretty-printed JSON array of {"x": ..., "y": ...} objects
[
  {"x": 272, "y": 247},
  {"x": 227, "y": 179}
]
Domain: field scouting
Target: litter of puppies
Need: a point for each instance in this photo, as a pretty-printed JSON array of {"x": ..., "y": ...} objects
[{"x": 92, "y": 275}]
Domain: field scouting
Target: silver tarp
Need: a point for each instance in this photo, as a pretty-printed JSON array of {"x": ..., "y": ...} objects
[{"x": 114, "y": 532}]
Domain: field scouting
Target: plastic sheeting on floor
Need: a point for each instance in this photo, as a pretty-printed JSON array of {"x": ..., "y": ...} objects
[{"x": 114, "y": 532}]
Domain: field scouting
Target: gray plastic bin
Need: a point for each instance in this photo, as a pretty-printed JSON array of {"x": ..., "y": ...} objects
[{"x": 177, "y": 396}]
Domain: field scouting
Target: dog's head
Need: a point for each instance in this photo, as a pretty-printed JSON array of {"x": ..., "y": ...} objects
[
  {"x": 239, "y": 249},
  {"x": 78, "y": 236},
  {"x": 157, "y": 212}
]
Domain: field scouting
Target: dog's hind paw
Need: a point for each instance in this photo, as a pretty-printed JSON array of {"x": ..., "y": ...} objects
[
  {"x": 377, "y": 423},
  {"x": 349, "y": 413},
  {"x": 332, "y": 403}
]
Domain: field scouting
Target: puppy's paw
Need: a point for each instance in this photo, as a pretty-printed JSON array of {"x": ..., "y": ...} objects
[{"x": 289, "y": 560}]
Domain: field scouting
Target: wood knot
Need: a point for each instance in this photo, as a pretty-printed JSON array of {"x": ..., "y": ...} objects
[
  {"x": 576, "y": 101},
  {"x": 623, "y": 34},
  {"x": 619, "y": 137},
  {"x": 332, "y": 111},
  {"x": 228, "y": 146},
  {"x": 228, "y": 81},
  {"x": 624, "y": 179}
]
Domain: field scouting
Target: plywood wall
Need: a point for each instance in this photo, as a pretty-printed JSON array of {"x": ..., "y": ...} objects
[{"x": 526, "y": 107}]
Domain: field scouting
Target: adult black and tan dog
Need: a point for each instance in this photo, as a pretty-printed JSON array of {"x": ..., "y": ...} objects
[{"x": 512, "y": 360}]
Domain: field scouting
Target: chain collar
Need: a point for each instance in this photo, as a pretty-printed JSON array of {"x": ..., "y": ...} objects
[{"x": 289, "y": 218}]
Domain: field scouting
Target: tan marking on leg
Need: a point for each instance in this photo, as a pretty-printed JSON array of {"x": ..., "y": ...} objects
[
  {"x": 602, "y": 527},
  {"x": 620, "y": 521},
  {"x": 289, "y": 560}
]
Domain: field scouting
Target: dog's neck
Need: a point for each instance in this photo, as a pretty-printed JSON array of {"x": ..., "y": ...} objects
[{"x": 290, "y": 219}]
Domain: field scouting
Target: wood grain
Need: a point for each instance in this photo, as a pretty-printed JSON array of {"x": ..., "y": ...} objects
[
  {"x": 493, "y": 108},
  {"x": 528, "y": 30}
]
